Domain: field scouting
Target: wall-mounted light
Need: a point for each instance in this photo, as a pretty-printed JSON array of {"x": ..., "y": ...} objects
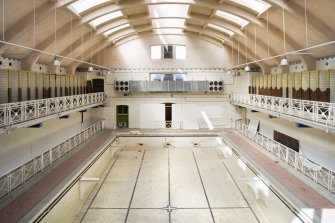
[{"x": 90, "y": 68}]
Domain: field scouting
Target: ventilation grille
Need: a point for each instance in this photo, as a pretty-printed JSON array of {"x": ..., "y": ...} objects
[
  {"x": 121, "y": 86},
  {"x": 215, "y": 86}
]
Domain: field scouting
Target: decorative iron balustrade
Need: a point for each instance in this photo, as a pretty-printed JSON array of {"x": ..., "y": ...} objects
[
  {"x": 23, "y": 114},
  {"x": 18, "y": 176},
  {"x": 290, "y": 158},
  {"x": 311, "y": 113}
]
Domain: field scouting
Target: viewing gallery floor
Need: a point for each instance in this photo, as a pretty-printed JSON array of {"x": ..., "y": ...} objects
[{"x": 181, "y": 184}]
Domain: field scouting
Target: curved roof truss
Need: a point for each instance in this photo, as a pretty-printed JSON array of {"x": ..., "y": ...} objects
[{"x": 115, "y": 18}]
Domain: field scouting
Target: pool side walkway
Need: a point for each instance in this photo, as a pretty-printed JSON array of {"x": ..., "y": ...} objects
[
  {"x": 307, "y": 195},
  {"x": 24, "y": 203}
]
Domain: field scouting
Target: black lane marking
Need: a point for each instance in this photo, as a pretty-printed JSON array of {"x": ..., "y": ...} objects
[
  {"x": 203, "y": 186},
  {"x": 132, "y": 195},
  {"x": 237, "y": 186}
]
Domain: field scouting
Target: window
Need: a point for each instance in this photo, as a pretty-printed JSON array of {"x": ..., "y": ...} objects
[
  {"x": 83, "y": 5},
  {"x": 169, "y": 77},
  {"x": 168, "y": 52},
  {"x": 255, "y": 5},
  {"x": 181, "y": 52},
  {"x": 168, "y": 10},
  {"x": 115, "y": 29},
  {"x": 180, "y": 77},
  {"x": 156, "y": 52},
  {"x": 233, "y": 18},
  {"x": 156, "y": 77},
  {"x": 105, "y": 18},
  {"x": 221, "y": 29}
]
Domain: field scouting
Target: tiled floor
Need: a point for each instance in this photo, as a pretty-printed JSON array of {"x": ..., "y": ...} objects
[{"x": 169, "y": 185}]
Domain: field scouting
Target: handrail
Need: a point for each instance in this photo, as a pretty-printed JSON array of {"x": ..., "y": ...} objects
[
  {"x": 22, "y": 114},
  {"x": 318, "y": 174},
  {"x": 18, "y": 176},
  {"x": 316, "y": 114}
]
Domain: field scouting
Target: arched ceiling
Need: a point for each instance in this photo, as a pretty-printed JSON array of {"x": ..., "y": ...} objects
[{"x": 81, "y": 28}]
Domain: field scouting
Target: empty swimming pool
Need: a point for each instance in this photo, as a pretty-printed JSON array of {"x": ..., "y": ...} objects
[{"x": 181, "y": 179}]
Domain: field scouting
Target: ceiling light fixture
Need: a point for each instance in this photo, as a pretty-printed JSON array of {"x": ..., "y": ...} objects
[
  {"x": 90, "y": 68},
  {"x": 56, "y": 62},
  {"x": 284, "y": 61},
  {"x": 247, "y": 68}
]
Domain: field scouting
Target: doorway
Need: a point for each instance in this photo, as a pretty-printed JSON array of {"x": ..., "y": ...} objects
[
  {"x": 168, "y": 115},
  {"x": 122, "y": 119}
]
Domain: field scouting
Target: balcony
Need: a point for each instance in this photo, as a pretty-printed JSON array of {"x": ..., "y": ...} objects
[
  {"x": 311, "y": 113},
  {"x": 26, "y": 171},
  {"x": 298, "y": 164},
  {"x": 24, "y": 114}
]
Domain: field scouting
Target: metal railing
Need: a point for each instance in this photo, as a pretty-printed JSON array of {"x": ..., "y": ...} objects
[
  {"x": 168, "y": 125},
  {"x": 18, "y": 176},
  {"x": 22, "y": 114},
  {"x": 293, "y": 160},
  {"x": 312, "y": 113}
]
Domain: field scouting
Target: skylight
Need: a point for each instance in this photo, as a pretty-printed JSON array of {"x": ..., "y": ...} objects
[
  {"x": 168, "y": 31},
  {"x": 221, "y": 29},
  {"x": 83, "y": 5},
  {"x": 256, "y": 5},
  {"x": 115, "y": 29},
  {"x": 168, "y": 10},
  {"x": 168, "y": 23},
  {"x": 233, "y": 18},
  {"x": 105, "y": 18}
]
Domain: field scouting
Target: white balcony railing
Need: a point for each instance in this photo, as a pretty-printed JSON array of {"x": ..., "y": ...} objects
[
  {"x": 312, "y": 113},
  {"x": 18, "y": 176},
  {"x": 22, "y": 114},
  {"x": 291, "y": 159}
]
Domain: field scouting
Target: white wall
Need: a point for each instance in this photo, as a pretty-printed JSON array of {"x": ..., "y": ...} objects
[
  {"x": 150, "y": 113},
  {"x": 325, "y": 63},
  {"x": 224, "y": 116},
  {"x": 200, "y": 54}
]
